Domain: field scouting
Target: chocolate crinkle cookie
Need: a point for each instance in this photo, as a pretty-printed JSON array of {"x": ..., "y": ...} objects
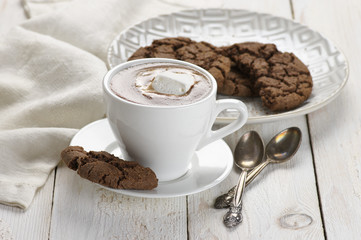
[
  {"x": 110, "y": 171},
  {"x": 248, "y": 69},
  {"x": 281, "y": 80}
]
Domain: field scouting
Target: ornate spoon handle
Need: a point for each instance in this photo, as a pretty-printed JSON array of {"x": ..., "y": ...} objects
[
  {"x": 225, "y": 200},
  {"x": 234, "y": 216}
]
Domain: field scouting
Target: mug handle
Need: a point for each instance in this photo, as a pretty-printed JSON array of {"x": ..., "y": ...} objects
[{"x": 221, "y": 105}]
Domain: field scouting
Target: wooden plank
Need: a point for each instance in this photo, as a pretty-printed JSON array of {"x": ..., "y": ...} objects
[
  {"x": 335, "y": 129},
  {"x": 82, "y": 210},
  {"x": 282, "y": 203}
]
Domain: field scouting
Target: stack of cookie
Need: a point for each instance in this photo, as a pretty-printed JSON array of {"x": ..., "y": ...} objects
[{"x": 248, "y": 69}]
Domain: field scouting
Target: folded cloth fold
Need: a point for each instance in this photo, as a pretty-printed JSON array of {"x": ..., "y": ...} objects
[{"x": 51, "y": 70}]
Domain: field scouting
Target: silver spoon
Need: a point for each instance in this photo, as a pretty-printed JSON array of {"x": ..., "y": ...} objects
[
  {"x": 247, "y": 155},
  {"x": 281, "y": 148}
]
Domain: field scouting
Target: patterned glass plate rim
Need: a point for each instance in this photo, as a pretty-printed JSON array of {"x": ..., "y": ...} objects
[{"x": 327, "y": 64}]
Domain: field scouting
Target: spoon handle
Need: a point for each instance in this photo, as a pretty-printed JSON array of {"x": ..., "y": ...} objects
[
  {"x": 224, "y": 201},
  {"x": 237, "y": 200},
  {"x": 257, "y": 170},
  {"x": 234, "y": 215}
]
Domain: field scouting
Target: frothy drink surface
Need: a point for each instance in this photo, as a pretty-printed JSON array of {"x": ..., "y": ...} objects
[{"x": 134, "y": 84}]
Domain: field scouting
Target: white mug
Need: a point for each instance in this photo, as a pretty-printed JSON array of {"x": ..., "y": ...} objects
[{"x": 165, "y": 138}]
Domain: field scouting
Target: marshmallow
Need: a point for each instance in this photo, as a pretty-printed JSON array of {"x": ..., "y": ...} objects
[{"x": 168, "y": 82}]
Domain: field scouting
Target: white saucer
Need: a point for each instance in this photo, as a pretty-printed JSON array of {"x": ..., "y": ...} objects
[{"x": 209, "y": 166}]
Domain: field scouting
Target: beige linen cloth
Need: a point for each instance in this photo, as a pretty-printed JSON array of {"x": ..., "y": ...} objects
[{"x": 51, "y": 70}]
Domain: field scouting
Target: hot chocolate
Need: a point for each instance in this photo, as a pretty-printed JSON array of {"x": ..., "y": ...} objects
[{"x": 135, "y": 84}]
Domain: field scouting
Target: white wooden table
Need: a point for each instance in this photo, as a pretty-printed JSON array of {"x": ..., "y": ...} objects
[{"x": 315, "y": 196}]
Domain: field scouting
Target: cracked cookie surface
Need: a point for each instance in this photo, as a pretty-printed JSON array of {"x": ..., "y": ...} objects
[
  {"x": 281, "y": 80},
  {"x": 110, "y": 171},
  {"x": 248, "y": 69}
]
